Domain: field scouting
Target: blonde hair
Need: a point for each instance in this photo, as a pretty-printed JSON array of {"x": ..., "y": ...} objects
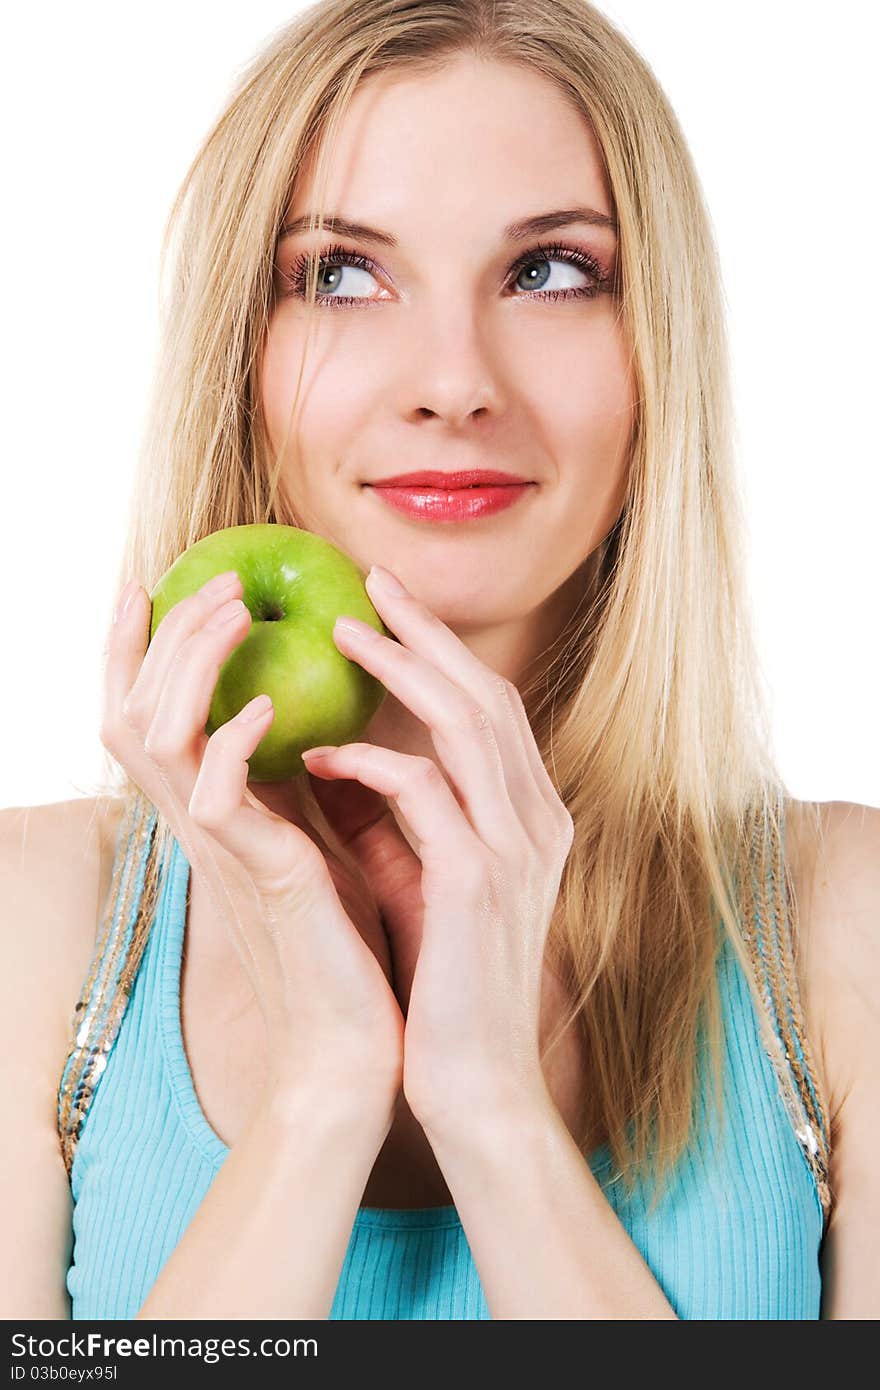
[{"x": 649, "y": 711}]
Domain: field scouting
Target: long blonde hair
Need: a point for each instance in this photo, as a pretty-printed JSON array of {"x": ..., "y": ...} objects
[{"x": 649, "y": 711}]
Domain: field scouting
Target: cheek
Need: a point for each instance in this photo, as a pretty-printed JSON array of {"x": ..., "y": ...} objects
[
  {"x": 278, "y": 376},
  {"x": 601, "y": 431},
  {"x": 590, "y": 436},
  {"x": 329, "y": 394},
  {"x": 582, "y": 393}
]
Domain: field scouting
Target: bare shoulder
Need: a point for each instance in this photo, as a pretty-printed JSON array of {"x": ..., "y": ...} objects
[
  {"x": 835, "y": 862},
  {"x": 833, "y": 848},
  {"x": 56, "y": 863}
]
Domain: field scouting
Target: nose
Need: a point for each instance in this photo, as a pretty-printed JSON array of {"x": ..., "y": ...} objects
[{"x": 453, "y": 372}]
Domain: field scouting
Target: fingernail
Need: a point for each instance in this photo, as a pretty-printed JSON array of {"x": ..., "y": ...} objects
[
  {"x": 386, "y": 582},
  {"x": 123, "y": 602},
  {"x": 259, "y": 705},
  {"x": 321, "y": 752},
  {"x": 220, "y": 582},
  {"x": 353, "y": 627}
]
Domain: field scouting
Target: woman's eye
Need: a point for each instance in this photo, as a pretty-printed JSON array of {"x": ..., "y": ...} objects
[
  {"x": 330, "y": 277},
  {"x": 334, "y": 270},
  {"x": 537, "y": 275},
  {"x": 547, "y": 273}
]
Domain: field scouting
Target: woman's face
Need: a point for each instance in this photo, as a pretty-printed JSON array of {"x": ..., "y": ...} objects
[{"x": 449, "y": 355}]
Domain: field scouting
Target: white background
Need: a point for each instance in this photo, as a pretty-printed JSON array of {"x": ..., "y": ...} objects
[{"x": 103, "y": 107}]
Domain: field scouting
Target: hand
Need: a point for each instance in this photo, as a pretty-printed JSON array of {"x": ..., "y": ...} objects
[
  {"x": 493, "y": 841},
  {"x": 306, "y": 933}
]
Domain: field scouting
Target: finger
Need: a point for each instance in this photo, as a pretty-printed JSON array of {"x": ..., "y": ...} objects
[
  {"x": 349, "y": 808},
  {"x": 462, "y": 731},
  {"x": 365, "y": 827},
  {"x": 179, "y": 623},
  {"x": 177, "y": 728},
  {"x": 530, "y": 788},
  {"x": 446, "y": 840},
  {"x": 273, "y": 850},
  {"x": 223, "y": 818},
  {"x": 123, "y": 654},
  {"x": 552, "y": 801}
]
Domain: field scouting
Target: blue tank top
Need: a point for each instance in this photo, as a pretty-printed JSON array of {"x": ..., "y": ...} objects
[{"x": 736, "y": 1235}]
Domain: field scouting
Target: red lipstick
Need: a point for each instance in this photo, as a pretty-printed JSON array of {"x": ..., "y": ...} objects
[
  {"x": 431, "y": 495},
  {"x": 474, "y": 477}
]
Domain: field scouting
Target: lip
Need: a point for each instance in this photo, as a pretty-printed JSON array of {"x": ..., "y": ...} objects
[
  {"x": 450, "y": 504},
  {"x": 434, "y": 478}
]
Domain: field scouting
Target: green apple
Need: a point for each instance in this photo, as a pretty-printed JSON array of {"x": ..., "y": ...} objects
[{"x": 295, "y": 585}]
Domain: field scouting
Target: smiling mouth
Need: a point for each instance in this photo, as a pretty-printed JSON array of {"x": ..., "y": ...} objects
[
  {"x": 451, "y": 480},
  {"x": 427, "y": 503},
  {"x": 442, "y": 487}
]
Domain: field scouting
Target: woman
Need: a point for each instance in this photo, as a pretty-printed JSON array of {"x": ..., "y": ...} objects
[{"x": 525, "y": 1005}]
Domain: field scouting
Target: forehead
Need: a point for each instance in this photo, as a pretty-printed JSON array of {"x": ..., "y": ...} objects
[{"x": 476, "y": 138}]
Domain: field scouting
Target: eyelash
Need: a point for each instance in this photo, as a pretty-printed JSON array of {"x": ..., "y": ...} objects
[{"x": 295, "y": 279}]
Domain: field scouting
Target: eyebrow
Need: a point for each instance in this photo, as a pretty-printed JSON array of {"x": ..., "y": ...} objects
[{"x": 514, "y": 231}]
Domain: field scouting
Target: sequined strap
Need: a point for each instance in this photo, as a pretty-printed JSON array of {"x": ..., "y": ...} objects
[
  {"x": 768, "y": 935},
  {"x": 122, "y": 934}
]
